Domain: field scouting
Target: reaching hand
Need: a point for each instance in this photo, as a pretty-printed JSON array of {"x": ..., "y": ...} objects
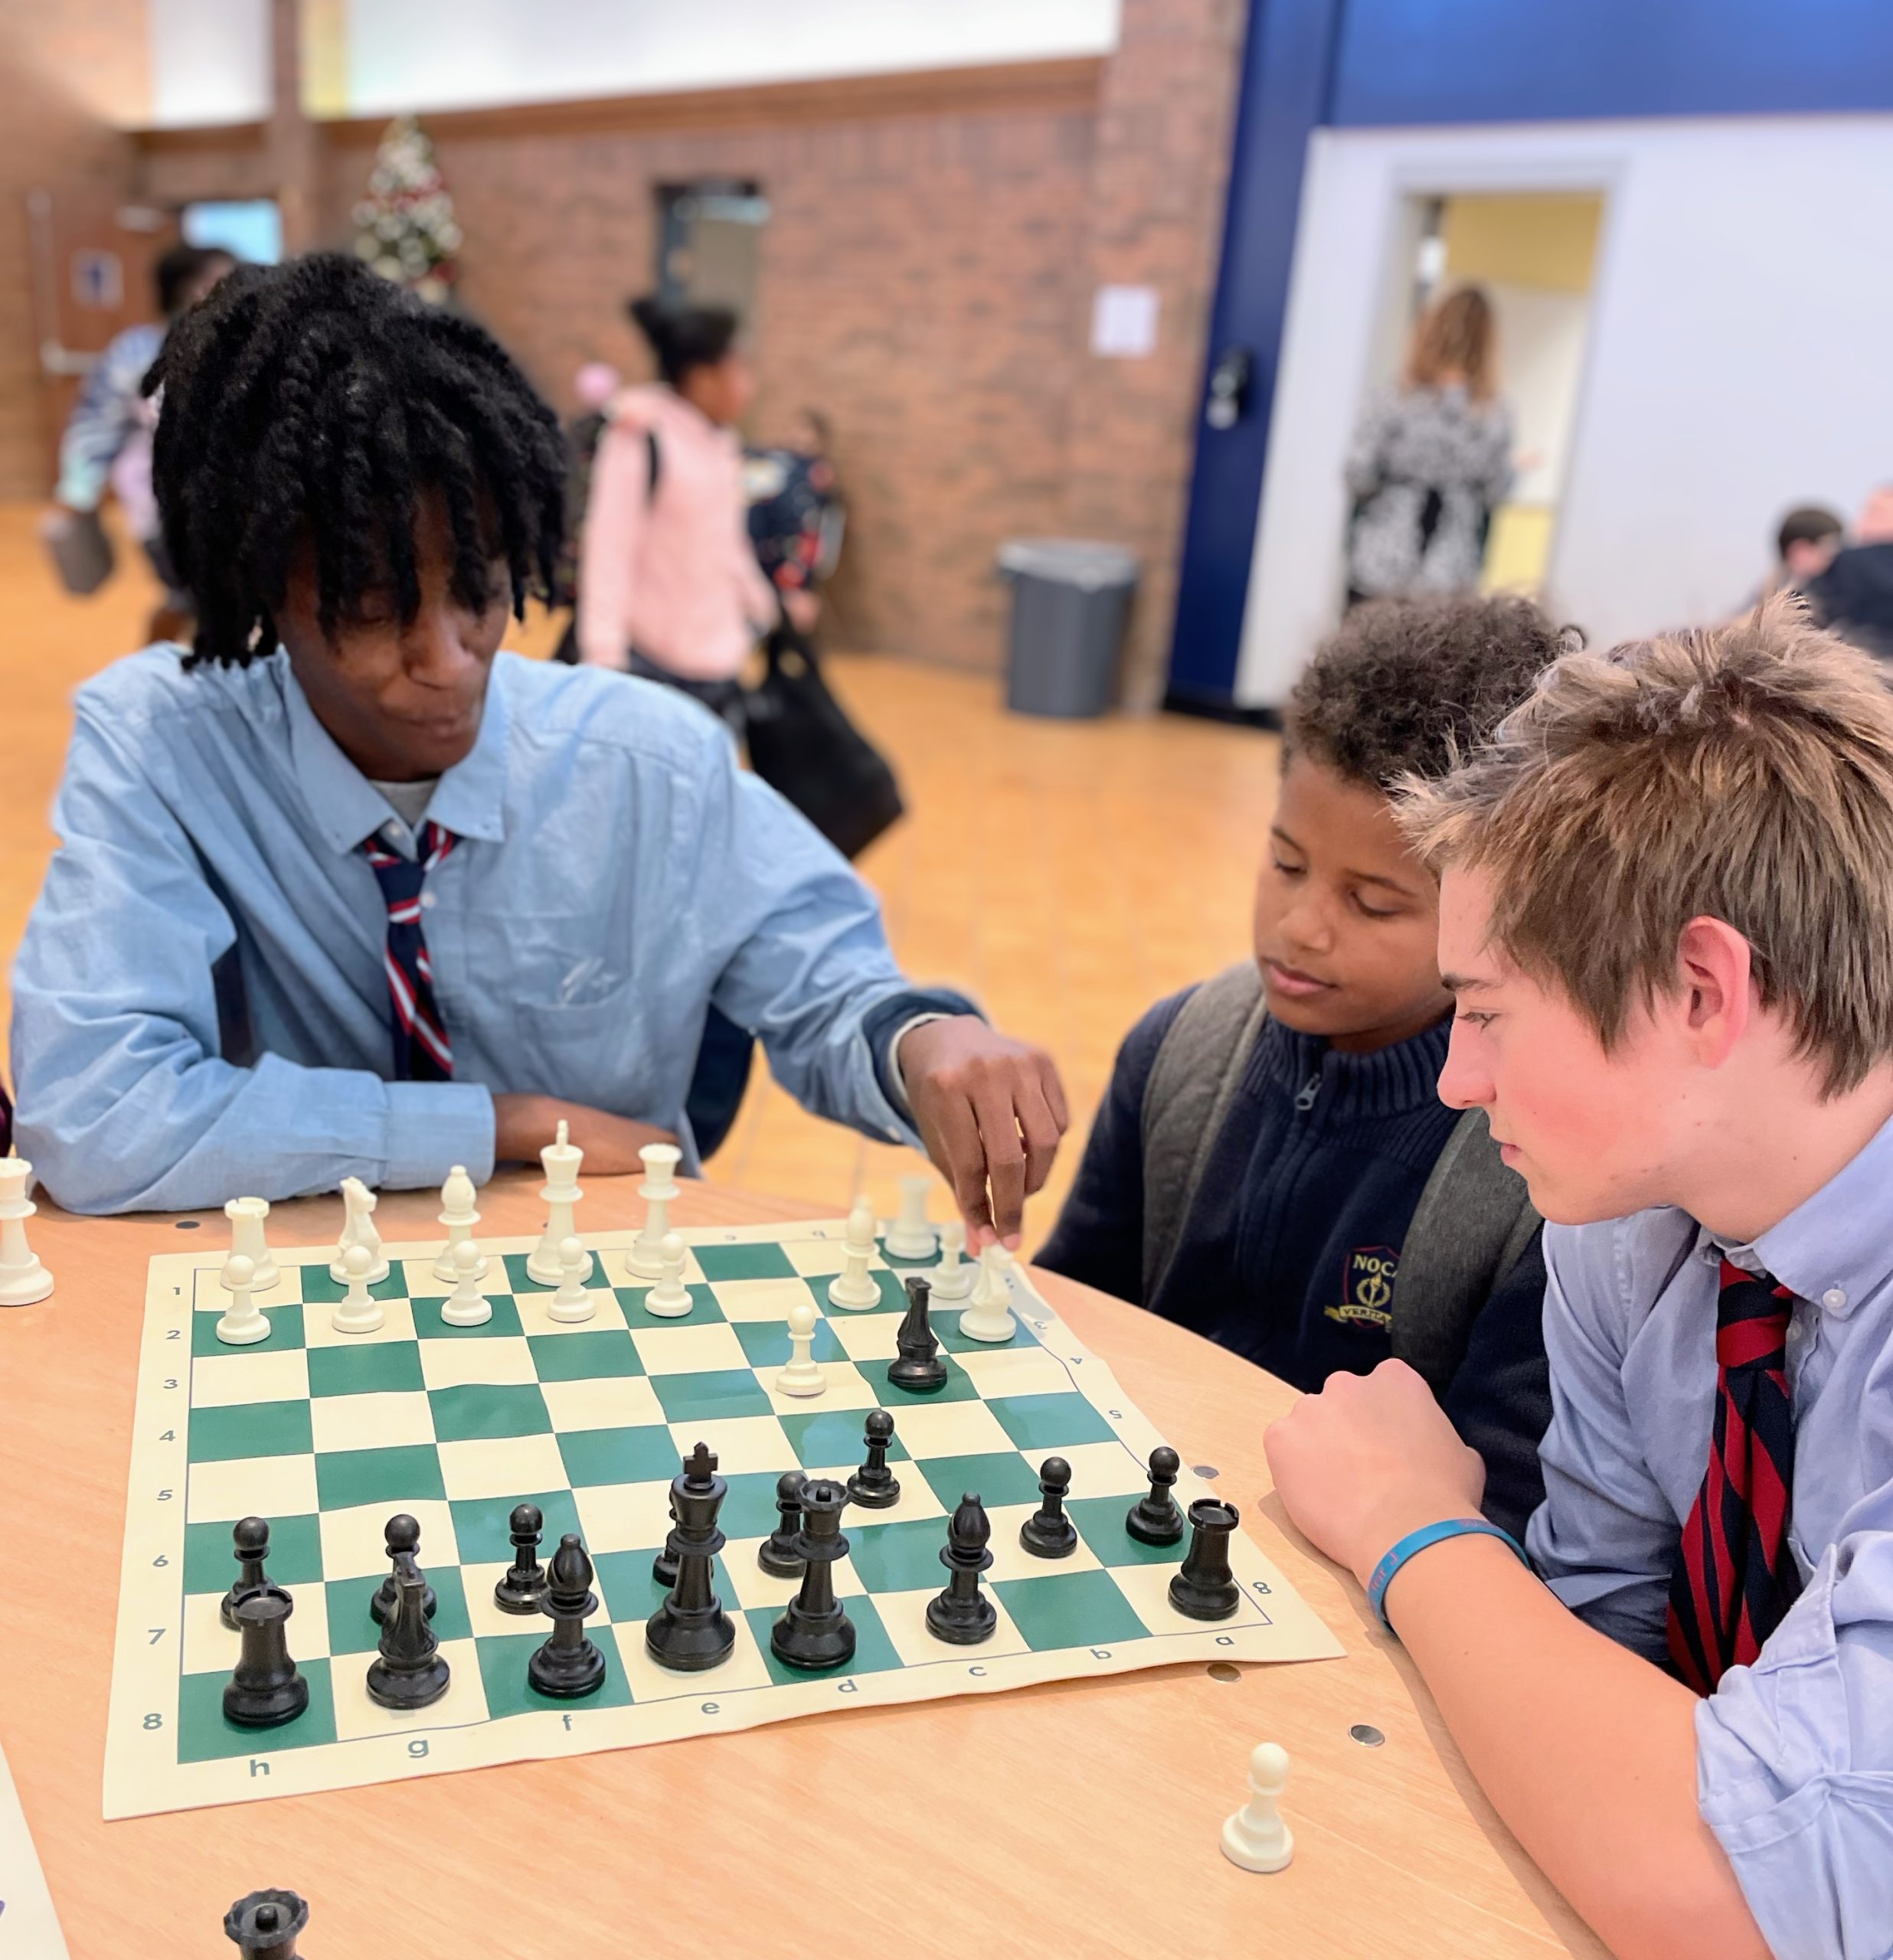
[
  {"x": 523, "y": 1125},
  {"x": 991, "y": 1111}
]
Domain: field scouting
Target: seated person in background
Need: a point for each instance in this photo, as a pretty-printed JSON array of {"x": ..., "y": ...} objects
[
  {"x": 1853, "y": 595},
  {"x": 345, "y": 890},
  {"x": 1273, "y": 1167},
  {"x": 1666, "y": 912}
]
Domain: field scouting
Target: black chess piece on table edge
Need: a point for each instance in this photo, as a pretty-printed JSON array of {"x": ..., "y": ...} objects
[
  {"x": 961, "y": 1614},
  {"x": 521, "y": 1588},
  {"x": 779, "y": 1554},
  {"x": 1048, "y": 1533},
  {"x": 690, "y": 1633},
  {"x": 266, "y": 1924},
  {"x": 568, "y": 1665},
  {"x": 814, "y": 1630},
  {"x": 403, "y": 1534},
  {"x": 409, "y": 1670},
  {"x": 1203, "y": 1586},
  {"x": 873, "y": 1486},
  {"x": 266, "y": 1689},
  {"x": 918, "y": 1368},
  {"x": 250, "y": 1538},
  {"x": 1154, "y": 1518}
]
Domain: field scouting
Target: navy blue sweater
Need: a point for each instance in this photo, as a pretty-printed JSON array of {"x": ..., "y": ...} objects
[{"x": 1290, "y": 1255}]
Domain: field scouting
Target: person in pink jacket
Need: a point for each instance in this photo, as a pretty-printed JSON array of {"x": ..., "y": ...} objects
[{"x": 668, "y": 584}]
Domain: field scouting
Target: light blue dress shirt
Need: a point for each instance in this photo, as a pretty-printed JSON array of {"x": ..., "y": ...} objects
[
  {"x": 1794, "y": 1755},
  {"x": 200, "y": 1009}
]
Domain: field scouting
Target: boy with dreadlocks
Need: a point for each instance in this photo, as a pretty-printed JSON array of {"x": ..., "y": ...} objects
[{"x": 345, "y": 890}]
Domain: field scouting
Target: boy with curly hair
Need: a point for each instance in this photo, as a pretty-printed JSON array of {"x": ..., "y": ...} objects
[{"x": 1273, "y": 1167}]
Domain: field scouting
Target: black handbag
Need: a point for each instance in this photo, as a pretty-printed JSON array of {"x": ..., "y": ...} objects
[{"x": 802, "y": 744}]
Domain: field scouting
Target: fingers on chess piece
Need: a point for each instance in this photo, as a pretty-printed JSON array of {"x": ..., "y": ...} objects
[
  {"x": 250, "y": 1539},
  {"x": 572, "y": 1302},
  {"x": 1204, "y": 1587},
  {"x": 779, "y": 1554},
  {"x": 360, "y": 1311},
  {"x": 1154, "y": 1518},
  {"x": 1048, "y": 1533},
  {"x": 265, "y": 1925},
  {"x": 402, "y": 1535},
  {"x": 814, "y": 1630},
  {"x": 873, "y": 1486},
  {"x": 1255, "y": 1837},
  {"x": 466, "y": 1305},
  {"x": 409, "y": 1670},
  {"x": 266, "y": 1688},
  {"x": 521, "y": 1587},
  {"x": 669, "y": 1299},
  {"x": 962, "y": 1615},
  {"x": 690, "y": 1631},
  {"x": 569, "y": 1665},
  {"x": 243, "y": 1323},
  {"x": 23, "y": 1279},
  {"x": 801, "y": 1375},
  {"x": 917, "y": 1366}
]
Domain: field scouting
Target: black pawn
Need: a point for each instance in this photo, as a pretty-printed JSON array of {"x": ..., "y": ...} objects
[
  {"x": 521, "y": 1588},
  {"x": 1203, "y": 1587},
  {"x": 265, "y": 1925},
  {"x": 814, "y": 1631},
  {"x": 266, "y": 1689},
  {"x": 1154, "y": 1518},
  {"x": 918, "y": 1369},
  {"x": 664, "y": 1567},
  {"x": 1049, "y": 1533},
  {"x": 779, "y": 1554},
  {"x": 690, "y": 1632},
  {"x": 404, "y": 1536},
  {"x": 962, "y": 1614},
  {"x": 409, "y": 1670},
  {"x": 251, "y": 1538},
  {"x": 568, "y": 1665},
  {"x": 873, "y": 1486}
]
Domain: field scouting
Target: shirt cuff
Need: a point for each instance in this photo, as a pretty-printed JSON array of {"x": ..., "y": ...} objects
[
  {"x": 433, "y": 1125},
  {"x": 896, "y": 1081},
  {"x": 885, "y": 1024}
]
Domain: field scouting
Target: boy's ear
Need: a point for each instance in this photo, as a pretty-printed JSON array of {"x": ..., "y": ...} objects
[{"x": 1714, "y": 973}]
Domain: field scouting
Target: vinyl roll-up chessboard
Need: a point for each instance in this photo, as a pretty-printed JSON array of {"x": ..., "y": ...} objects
[{"x": 326, "y": 1434}]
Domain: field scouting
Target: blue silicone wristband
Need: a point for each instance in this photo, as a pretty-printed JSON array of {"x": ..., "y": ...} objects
[{"x": 1414, "y": 1542}]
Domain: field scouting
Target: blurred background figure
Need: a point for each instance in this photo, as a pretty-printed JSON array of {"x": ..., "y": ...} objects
[
  {"x": 107, "y": 445},
  {"x": 796, "y": 515},
  {"x": 1805, "y": 545},
  {"x": 1430, "y": 459},
  {"x": 1854, "y": 593}
]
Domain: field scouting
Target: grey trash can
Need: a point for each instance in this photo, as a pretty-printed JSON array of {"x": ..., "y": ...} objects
[{"x": 1070, "y": 599}]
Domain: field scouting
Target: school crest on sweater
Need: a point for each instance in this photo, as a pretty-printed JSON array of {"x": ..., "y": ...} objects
[{"x": 1367, "y": 1286}]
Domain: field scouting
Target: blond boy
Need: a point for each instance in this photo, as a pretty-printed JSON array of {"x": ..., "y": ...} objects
[{"x": 1666, "y": 912}]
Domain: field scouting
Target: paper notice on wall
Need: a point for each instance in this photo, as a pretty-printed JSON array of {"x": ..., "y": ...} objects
[
  {"x": 1124, "y": 322},
  {"x": 29, "y": 1928}
]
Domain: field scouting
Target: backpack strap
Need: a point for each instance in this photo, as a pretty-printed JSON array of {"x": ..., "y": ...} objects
[
  {"x": 1473, "y": 1223},
  {"x": 1193, "y": 1081}
]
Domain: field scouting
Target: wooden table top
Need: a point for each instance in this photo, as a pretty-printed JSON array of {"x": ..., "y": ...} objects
[{"x": 1065, "y": 1821}]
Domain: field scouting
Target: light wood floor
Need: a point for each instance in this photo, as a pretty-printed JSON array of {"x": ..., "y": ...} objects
[{"x": 1066, "y": 874}]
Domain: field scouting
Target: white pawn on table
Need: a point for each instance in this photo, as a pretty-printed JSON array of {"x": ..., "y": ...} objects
[
  {"x": 23, "y": 1280},
  {"x": 644, "y": 1260},
  {"x": 802, "y": 1374},
  {"x": 854, "y": 1286},
  {"x": 1255, "y": 1837},
  {"x": 953, "y": 1278},
  {"x": 571, "y": 1302},
  {"x": 561, "y": 1159},
  {"x": 460, "y": 1214},
  {"x": 358, "y": 1311},
  {"x": 989, "y": 1318},
  {"x": 242, "y": 1323},
  {"x": 466, "y": 1305},
  {"x": 358, "y": 1229},
  {"x": 669, "y": 1299},
  {"x": 246, "y": 1216},
  {"x": 910, "y": 1237}
]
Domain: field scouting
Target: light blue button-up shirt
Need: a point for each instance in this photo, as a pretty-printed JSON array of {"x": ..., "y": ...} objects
[
  {"x": 1795, "y": 1755},
  {"x": 200, "y": 1009}
]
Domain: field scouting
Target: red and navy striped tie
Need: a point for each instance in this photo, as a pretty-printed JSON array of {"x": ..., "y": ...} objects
[
  {"x": 422, "y": 1051},
  {"x": 1735, "y": 1575}
]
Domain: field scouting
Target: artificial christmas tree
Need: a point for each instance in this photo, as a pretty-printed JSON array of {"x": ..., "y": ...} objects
[{"x": 404, "y": 227}]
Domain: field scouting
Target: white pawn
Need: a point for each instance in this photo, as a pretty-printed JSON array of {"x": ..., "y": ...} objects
[
  {"x": 661, "y": 1159},
  {"x": 990, "y": 1316},
  {"x": 669, "y": 1299},
  {"x": 245, "y": 1216},
  {"x": 466, "y": 1305},
  {"x": 571, "y": 1301},
  {"x": 358, "y": 1229},
  {"x": 854, "y": 1286},
  {"x": 561, "y": 1159},
  {"x": 910, "y": 1237},
  {"x": 359, "y": 1312},
  {"x": 243, "y": 1321},
  {"x": 458, "y": 1214},
  {"x": 953, "y": 1278},
  {"x": 1255, "y": 1837},
  {"x": 802, "y": 1375},
  {"x": 23, "y": 1279}
]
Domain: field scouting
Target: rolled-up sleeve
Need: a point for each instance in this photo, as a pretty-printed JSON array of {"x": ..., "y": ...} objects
[{"x": 125, "y": 1102}]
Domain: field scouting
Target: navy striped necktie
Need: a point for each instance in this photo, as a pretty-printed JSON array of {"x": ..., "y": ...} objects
[
  {"x": 422, "y": 1051},
  {"x": 1735, "y": 1576}
]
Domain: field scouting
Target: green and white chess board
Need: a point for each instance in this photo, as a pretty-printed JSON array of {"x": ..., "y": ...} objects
[{"x": 327, "y": 1435}]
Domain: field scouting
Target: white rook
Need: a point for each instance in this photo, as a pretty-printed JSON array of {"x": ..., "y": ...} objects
[{"x": 245, "y": 1216}]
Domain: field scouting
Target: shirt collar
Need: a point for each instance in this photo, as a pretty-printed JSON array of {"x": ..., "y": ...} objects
[
  {"x": 471, "y": 801},
  {"x": 1831, "y": 1249}
]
